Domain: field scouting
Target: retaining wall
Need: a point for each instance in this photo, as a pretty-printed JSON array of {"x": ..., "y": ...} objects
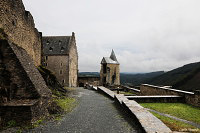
[
  {"x": 148, "y": 122},
  {"x": 192, "y": 98}
]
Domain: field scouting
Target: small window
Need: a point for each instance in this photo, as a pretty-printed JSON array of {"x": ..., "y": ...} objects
[
  {"x": 48, "y": 42},
  {"x": 61, "y": 71},
  {"x": 63, "y": 81},
  {"x": 46, "y": 64},
  {"x": 13, "y": 22},
  {"x": 46, "y": 58},
  {"x": 60, "y": 42},
  {"x": 61, "y": 64},
  {"x": 50, "y": 49},
  {"x": 62, "y": 49}
]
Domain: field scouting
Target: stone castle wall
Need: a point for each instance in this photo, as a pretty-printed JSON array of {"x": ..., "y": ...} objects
[
  {"x": 20, "y": 85},
  {"x": 190, "y": 97},
  {"x": 59, "y": 65},
  {"x": 73, "y": 63},
  {"x": 19, "y": 25},
  {"x": 94, "y": 81}
]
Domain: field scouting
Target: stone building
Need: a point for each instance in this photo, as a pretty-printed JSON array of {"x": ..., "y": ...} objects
[
  {"x": 110, "y": 71},
  {"x": 60, "y": 56}
]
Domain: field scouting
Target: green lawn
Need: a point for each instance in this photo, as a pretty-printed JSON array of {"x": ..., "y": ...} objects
[
  {"x": 179, "y": 110},
  {"x": 175, "y": 125}
]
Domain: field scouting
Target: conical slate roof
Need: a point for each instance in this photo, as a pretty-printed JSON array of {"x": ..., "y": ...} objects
[
  {"x": 112, "y": 56},
  {"x": 110, "y": 60}
]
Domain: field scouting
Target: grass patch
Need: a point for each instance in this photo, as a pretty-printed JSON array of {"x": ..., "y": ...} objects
[
  {"x": 67, "y": 104},
  {"x": 37, "y": 123},
  {"x": 11, "y": 123},
  {"x": 179, "y": 110},
  {"x": 127, "y": 93},
  {"x": 175, "y": 125}
]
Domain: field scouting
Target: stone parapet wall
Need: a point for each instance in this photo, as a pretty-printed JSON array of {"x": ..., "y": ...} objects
[
  {"x": 146, "y": 121},
  {"x": 189, "y": 97},
  {"x": 94, "y": 81},
  {"x": 19, "y": 25}
]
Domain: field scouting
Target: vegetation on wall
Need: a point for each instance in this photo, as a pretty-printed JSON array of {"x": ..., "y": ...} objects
[{"x": 60, "y": 102}]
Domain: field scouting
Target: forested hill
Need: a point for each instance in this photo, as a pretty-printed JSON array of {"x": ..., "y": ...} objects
[
  {"x": 186, "y": 77},
  {"x": 137, "y": 79}
]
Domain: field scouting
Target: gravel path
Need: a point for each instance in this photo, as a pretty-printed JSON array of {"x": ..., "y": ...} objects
[{"x": 95, "y": 113}]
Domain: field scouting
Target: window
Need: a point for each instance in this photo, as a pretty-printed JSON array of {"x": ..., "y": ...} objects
[
  {"x": 46, "y": 64},
  {"x": 48, "y": 42},
  {"x": 63, "y": 81},
  {"x": 50, "y": 49},
  {"x": 60, "y": 42},
  {"x": 104, "y": 68},
  {"x": 62, "y": 49},
  {"x": 46, "y": 58},
  {"x": 61, "y": 71},
  {"x": 61, "y": 64}
]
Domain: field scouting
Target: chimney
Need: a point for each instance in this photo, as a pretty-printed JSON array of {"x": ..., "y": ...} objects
[{"x": 73, "y": 34}]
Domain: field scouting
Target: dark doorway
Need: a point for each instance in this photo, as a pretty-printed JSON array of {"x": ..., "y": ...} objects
[
  {"x": 81, "y": 84},
  {"x": 104, "y": 68},
  {"x": 104, "y": 81}
]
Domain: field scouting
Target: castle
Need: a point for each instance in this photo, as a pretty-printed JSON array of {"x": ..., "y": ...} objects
[
  {"x": 24, "y": 95},
  {"x": 61, "y": 57},
  {"x": 110, "y": 71}
]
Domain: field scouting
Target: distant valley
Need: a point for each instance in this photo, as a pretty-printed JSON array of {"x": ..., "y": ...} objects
[{"x": 186, "y": 77}]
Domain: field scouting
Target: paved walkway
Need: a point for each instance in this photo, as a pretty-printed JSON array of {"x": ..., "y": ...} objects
[
  {"x": 95, "y": 113},
  {"x": 176, "y": 118}
]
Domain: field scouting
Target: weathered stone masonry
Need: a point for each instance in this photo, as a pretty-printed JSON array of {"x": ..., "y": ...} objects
[
  {"x": 110, "y": 71},
  {"x": 61, "y": 57},
  {"x": 189, "y": 97},
  {"x": 22, "y": 88},
  {"x": 19, "y": 25}
]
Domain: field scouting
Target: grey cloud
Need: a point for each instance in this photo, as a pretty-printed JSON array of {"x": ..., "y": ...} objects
[{"x": 147, "y": 35}]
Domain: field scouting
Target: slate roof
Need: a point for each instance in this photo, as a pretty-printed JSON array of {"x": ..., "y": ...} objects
[
  {"x": 56, "y": 45},
  {"x": 110, "y": 60}
]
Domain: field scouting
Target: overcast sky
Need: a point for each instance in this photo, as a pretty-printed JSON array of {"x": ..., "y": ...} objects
[{"x": 146, "y": 35}]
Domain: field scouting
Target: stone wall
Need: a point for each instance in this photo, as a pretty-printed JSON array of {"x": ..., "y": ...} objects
[
  {"x": 73, "y": 63},
  {"x": 19, "y": 25},
  {"x": 20, "y": 84},
  {"x": 94, "y": 81},
  {"x": 189, "y": 97},
  {"x": 112, "y": 70},
  {"x": 59, "y": 65}
]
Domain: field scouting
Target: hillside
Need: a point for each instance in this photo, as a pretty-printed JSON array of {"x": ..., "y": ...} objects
[
  {"x": 137, "y": 79},
  {"x": 184, "y": 78},
  {"x": 128, "y": 78}
]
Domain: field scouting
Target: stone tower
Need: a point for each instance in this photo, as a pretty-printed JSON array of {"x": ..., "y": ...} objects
[{"x": 110, "y": 72}]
